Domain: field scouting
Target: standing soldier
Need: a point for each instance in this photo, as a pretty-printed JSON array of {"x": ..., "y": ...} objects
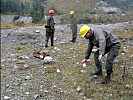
[
  {"x": 107, "y": 43},
  {"x": 50, "y": 29},
  {"x": 73, "y": 27}
]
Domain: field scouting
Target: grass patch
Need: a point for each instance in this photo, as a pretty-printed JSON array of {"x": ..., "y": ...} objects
[{"x": 9, "y": 26}]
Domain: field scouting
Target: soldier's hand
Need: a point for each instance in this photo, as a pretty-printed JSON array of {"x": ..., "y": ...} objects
[
  {"x": 100, "y": 57},
  {"x": 84, "y": 61}
]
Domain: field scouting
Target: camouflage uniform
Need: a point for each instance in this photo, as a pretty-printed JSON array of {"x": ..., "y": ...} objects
[
  {"x": 73, "y": 26},
  {"x": 50, "y": 31},
  {"x": 107, "y": 43}
]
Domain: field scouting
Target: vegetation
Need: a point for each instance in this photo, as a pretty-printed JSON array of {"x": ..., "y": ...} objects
[
  {"x": 124, "y": 4},
  {"x": 14, "y": 6},
  {"x": 58, "y": 12},
  {"x": 37, "y": 10}
]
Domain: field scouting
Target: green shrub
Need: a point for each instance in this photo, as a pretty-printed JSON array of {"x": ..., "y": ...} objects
[
  {"x": 58, "y": 12},
  {"x": 85, "y": 20},
  {"x": 16, "y": 18}
]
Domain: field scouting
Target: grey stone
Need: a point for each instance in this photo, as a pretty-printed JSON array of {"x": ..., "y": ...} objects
[
  {"x": 78, "y": 89},
  {"x": 6, "y": 98}
]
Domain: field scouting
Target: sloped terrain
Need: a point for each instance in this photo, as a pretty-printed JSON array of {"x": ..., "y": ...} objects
[{"x": 26, "y": 77}]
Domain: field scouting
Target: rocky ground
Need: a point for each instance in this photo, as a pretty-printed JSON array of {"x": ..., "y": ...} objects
[{"x": 24, "y": 77}]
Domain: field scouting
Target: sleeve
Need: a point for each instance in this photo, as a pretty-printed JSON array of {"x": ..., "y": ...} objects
[
  {"x": 48, "y": 21},
  {"x": 52, "y": 23},
  {"x": 88, "y": 51},
  {"x": 102, "y": 42}
]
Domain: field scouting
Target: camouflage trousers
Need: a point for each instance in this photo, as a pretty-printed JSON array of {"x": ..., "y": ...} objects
[
  {"x": 74, "y": 34},
  {"x": 51, "y": 36},
  {"x": 112, "y": 51}
]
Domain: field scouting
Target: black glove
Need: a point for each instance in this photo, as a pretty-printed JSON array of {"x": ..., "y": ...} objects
[{"x": 47, "y": 26}]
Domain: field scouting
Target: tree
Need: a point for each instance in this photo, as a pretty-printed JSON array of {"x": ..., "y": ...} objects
[{"x": 37, "y": 10}]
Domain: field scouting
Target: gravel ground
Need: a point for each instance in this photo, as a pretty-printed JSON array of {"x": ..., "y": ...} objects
[{"x": 25, "y": 78}]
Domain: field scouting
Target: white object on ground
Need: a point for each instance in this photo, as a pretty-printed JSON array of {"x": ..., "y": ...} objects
[
  {"x": 84, "y": 64},
  {"x": 58, "y": 71},
  {"x": 48, "y": 59},
  {"x": 37, "y": 31}
]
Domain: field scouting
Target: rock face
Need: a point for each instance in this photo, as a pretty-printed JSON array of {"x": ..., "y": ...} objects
[
  {"x": 110, "y": 10},
  {"x": 7, "y": 19},
  {"x": 106, "y": 8},
  {"x": 25, "y": 19}
]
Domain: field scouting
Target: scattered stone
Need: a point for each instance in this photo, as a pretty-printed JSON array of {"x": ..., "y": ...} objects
[
  {"x": 58, "y": 71},
  {"x": 13, "y": 40},
  {"x": 131, "y": 56},
  {"x": 6, "y": 36},
  {"x": 48, "y": 59},
  {"x": 128, "y": 86},
  {"x": 57, "y": 49},
  {"x": 77, "y": 63},
  {"x": 65, "y": 91},
  {"x": 62, "y": 42},
  {"x": 27, "y": 93},
  {"x": 6, "y": 98},
  {"x": 82, "y": 71},
  {"x": 26, "y": 66},
  {"x": 55, "y": 38},
  {"x": 84, "y": 64},
  {"x": 62, "y": 30},
  {"x": 54, "y": 86},
  {"x": 78, "y": 89},
  {"x": 15, "y": 67},
  {"x": 36, "y": 96},
  {"x": 122, "y": 53},
  {"x": 27, "y": 78},
  {"x": 23, "y": 57},
  {"x": 13, "y": 93},
  {"x": 37, "y": 31},
  {"x": 12, "y": 55},
  {"x": 46, "y": 91},
  {"x": 111, "y": 95},
  {"x": 94, "y": 76},
  {"x": 13, "y": 60}
]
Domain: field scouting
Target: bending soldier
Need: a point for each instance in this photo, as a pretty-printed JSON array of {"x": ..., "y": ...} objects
[{"x": 107, "y": 43}]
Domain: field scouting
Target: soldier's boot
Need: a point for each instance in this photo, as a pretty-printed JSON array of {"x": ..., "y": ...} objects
[
  {"x": 106, "y": 80},
  {"x": 74, "y": 40},
  {"x": 98, "y": 72},
  {"x": 46, "y": 44},
  {"x": 52, "y": 40},
  {"x": 71, "y": 40}
]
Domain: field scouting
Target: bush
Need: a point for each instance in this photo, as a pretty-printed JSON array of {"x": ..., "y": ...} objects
[
  {"x": 85, "y": 20},
  {"x": 58, "y": 12},
  {"x": 16, "y": 18}
]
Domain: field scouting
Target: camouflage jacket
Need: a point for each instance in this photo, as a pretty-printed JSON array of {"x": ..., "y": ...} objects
[
  {"x": 101, "y": 39},
  {"x": 73, "y": 23},
  {"x": 50, "y": 22}
]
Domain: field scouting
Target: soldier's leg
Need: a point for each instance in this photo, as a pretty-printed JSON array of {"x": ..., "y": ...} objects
[
  {"x": 52, "y": 39},
  {"x": 47, "y": 39},
  {"x": 74, "y": 35},
  {"x": 98, "y": 64},
  {"x": 114, "y": 51}
]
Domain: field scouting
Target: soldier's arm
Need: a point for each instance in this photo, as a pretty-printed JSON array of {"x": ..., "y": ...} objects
[
  {"x": 102, "y": 42},
  {"x": 88, "y": 51}
]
